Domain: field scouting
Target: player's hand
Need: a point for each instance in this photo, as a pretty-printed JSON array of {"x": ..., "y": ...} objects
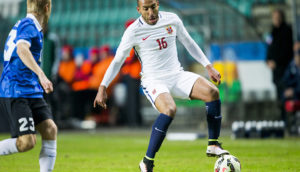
[
  {"x": 46, "y": 84},
  {"x": 101, "y": 97},
  {"x": 271, "y": 64},
  {"x": 289, "y": 93},
  {"x": 214, "y": 75}
]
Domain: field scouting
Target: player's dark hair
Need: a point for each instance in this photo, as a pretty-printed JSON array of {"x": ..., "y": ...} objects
[{"x": 137, "y": 2}]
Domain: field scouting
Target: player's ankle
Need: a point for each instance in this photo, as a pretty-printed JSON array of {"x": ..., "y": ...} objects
[
  {"x": 147, "y": 159},
  {"x": 213, "y": 142}
]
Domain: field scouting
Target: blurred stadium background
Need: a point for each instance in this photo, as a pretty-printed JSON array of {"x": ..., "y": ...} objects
[{"x": 232, "y": 33}]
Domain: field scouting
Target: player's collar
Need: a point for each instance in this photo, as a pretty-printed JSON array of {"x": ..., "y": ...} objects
[{"x": 36, "y": 22}]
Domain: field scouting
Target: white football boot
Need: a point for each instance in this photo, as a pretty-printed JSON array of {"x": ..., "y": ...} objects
[
  {"x": 146, "y": 165},
  {"x": 216, "y": 150}
]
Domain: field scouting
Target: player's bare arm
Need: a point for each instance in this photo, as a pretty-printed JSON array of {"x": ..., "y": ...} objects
[
  {"x": 110, "y": 74},
  {"x": 27, "y": 58},
  {"x": 271, "y": 64},
  {"x": 213, "y": 74},
  {"x": 101, "y": 97}
]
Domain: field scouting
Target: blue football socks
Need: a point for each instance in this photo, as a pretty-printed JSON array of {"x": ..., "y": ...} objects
[
  {"x": 214, "y": 119},
  {"x": 159, "y": 130}
]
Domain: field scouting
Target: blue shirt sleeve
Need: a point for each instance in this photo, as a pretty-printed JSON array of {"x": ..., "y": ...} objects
[{"x": 26, "y": 31}]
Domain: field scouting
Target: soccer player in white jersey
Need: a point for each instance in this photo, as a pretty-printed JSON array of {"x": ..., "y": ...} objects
[{"x": 153, "y": 36}]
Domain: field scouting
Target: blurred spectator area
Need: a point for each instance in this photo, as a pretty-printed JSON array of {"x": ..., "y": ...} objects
[
  {"x": 96, "y": 22},
  {"x": 93, "y": 22}
]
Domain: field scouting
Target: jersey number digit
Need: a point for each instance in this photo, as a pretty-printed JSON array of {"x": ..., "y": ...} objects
[
  {"x": 10, "y": 45},
  {"x": 162, "y": 43},
  {"x": 24, "y": 122}
]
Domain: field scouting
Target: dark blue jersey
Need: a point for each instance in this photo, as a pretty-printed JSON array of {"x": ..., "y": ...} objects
[{"x": 17, "y": 80}]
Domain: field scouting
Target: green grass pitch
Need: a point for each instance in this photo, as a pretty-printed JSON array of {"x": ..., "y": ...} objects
[{"x": 122, "y": 152}]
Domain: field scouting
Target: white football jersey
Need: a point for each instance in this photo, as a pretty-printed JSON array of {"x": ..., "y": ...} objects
[{"x": 155, "y": 46}]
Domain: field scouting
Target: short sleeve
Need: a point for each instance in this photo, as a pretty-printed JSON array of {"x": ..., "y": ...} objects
[{"x": 26, "y": 32}]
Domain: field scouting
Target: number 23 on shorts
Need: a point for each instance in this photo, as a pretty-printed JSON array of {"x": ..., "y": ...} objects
[{"x": 26, "y": 124}]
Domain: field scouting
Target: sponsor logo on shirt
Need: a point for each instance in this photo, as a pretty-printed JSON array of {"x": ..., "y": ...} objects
[{"x": 146, "y": 38}]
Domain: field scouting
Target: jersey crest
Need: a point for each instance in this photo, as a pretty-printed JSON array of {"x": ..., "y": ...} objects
[{"x": 169, "y": 29}]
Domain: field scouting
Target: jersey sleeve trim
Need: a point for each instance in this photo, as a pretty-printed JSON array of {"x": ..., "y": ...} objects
[{"x": 23, "y": 41}]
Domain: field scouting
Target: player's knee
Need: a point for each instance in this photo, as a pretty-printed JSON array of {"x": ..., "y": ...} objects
[
  {"x": 48, "y": 130},
  {"x": 214, "y": 94},
  {"x": 170, "y": 111},
  {"x": 26, "y": 142},
  {"x": 51, "y": 131}
]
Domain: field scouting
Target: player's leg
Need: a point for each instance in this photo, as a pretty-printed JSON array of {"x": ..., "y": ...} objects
[
  {"x": 48, "y": 130},
  {"x": 26, "y": 142},
  {"x": 21, "y": 124},
  {"x": 208, "y": 92},
  {"x": 167, "y": 108},
  {"x": 14, "y": 145},
  {"x": 164, "y": 103}
]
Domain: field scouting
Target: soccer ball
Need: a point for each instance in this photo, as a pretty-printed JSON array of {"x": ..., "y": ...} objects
[{"x": 227, "y": 163}]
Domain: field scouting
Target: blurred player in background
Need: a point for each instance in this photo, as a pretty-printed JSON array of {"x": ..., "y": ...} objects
[
  {"x": 280, "y": 53},
  {"x": 291, "y": 94},
  {"x": 280, "y": 49},
  {"x": 21, "y": 87},
  {"x": 153, "y": 36},
  {"x": 291, "y": 78}
]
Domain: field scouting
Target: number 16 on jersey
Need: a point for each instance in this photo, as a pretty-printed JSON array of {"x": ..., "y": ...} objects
[{"x": 162, "y": 43}]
